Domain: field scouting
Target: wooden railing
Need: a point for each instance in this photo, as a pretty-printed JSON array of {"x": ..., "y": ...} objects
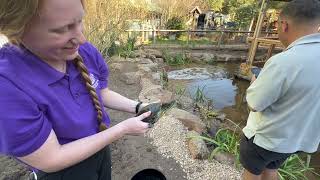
[{"x": 157, "y": 32}]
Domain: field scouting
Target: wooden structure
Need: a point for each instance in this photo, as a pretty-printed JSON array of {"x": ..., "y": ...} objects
[{"x": 256, "y": 40}]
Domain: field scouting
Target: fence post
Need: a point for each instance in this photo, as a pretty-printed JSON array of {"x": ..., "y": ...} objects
[
  {"x": 142, "y": 36},
  {"x": 154, "y": 34},
  {"x": 220, "y": 39},
  {"x": 189, "y": 36}
]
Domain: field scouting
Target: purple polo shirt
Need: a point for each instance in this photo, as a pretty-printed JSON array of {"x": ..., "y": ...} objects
[{"x": 35, "y": 98}]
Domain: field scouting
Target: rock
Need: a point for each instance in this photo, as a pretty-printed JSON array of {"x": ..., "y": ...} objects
[
  {"x": 192, "y": 122},
  {"x": 228, "y": 58},
  {"x": 184, "y": 102},
  {"x": 116, "y": 66},
  {"x": 152, "y": 66},
  {"x": 144, "y": 69},
  {"x": 156, "y": 93},
  {"x": 197, "y": 147},
  {"x": 207, "y": 57},
  {"x": 131, "y": 78},
  {"x": 153, "y": 52},
  {"x": 146, "y": 83},
  {"x": 115, "y": 59},
  {"x": 156, "y": 76},
  {"x": 214, "y": 127},
  {"x": 152, "y": 93},
  {"x": 221, "y": 117},
  {"x": 152, "y": 57},
  {"x": 159, "y": 61},
  {"x": 138, "y": 54},
  {"x": 225, "y": 158},
  {"x": 195, "y": 57},
  {"x": 144, "y": 61}
]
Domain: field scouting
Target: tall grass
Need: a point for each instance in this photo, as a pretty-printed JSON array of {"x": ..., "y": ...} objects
[
  {"x": 199, "y": 96},
  {"x": 224, "y": 141},
  {"x": 175, "y": 59},
  {"x": 294, "y": 168},
  {"x": 106, "y": 20}
]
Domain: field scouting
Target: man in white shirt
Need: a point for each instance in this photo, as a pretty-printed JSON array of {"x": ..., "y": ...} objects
[{"x": 285, "y": 97}]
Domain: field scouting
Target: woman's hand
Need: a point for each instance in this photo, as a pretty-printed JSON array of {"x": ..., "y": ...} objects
[{"x": 134, "y": 125}]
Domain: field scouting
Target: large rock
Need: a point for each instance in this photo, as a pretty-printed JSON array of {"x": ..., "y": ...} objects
[
  {"x": 201, "y": 57},
  {"x": 224, "y": 158},
  {"x": 118, "y": 59},
  {"x": 214, "y": 127},
  {"x": 131, "y": 78},
  {"x": 144, "y": 69},
  {"x": 155, "y": 93},
  {"x": 184, "y": 102},
  {"x": 159, "y": 61},
  {"x": 153, "y": 52},
  {"x": 197, "y": 147},
  {"x": 116, "y": 66},
  {"x": 138, "y": 53},
  {"x": 151, "y": 93},
  {"x": 192, "y": 122},
  {"x": 144, "y": 61},
  {"x": 152, "y": 66}
]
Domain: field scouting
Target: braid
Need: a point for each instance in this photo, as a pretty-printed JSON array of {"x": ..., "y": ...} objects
[{"x": 85, "y": 76}]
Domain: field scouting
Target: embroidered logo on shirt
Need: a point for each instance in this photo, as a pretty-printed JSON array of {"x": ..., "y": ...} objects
[{"x": 94, "y": 80}]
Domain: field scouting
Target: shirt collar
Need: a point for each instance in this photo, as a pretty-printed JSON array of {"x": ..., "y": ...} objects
[
  {"x": 309, "y": 39},
  {"x": 42, "y": 70}
]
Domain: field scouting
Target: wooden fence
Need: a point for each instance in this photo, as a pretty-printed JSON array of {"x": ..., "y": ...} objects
[{"x": 156, "y": 32}]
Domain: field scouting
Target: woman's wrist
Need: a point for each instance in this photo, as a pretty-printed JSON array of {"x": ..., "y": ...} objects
[{"x": 138, "y": 107}]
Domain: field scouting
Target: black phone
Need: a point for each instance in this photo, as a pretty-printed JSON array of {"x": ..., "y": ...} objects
[{"x": 256, "y": 71}]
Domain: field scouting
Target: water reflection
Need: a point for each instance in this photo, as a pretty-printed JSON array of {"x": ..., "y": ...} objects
[{"x": 221, "y": 91}]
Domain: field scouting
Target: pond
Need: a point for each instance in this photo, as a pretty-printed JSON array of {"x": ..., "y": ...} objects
[{"x": 217, "y": 83}]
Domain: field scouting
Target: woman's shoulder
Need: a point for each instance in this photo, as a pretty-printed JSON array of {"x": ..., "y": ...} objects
[{"x": 9, "y": 55}]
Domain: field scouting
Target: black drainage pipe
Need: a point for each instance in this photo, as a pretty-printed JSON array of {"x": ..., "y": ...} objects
[{"x": 149, "y": 174}]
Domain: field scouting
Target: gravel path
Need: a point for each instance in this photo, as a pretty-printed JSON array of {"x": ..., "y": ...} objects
[{"x": 169, "y": 137}]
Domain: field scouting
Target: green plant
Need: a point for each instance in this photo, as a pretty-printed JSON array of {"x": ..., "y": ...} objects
[
  {"x": 176, "y": 60},
  {"x": 225, "y": 141},
  {"x": 164, "y": 79},
  {"x": 199, "y": 96},
  {"x": 175, "y": 23},
  {"x": 180, "y": 91},
  {"x": 127, "y": 49},
  {"x": 295, "y": 168}
]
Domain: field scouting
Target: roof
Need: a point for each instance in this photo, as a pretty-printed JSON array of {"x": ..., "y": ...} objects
[{"x": 196, "y": 8}]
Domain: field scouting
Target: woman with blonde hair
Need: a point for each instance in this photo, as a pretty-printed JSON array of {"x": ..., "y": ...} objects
[{"x": 53, "y": 87}]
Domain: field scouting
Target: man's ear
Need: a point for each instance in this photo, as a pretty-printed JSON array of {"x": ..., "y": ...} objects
[{"x": 285, "y": 26}]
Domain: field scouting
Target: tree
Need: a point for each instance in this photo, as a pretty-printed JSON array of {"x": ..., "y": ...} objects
[
  {"x": 216, "y": 5},
  {"x": 177, "y": 8}
]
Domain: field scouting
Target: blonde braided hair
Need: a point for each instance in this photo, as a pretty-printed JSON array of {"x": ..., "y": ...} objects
[{"x": 92, "y": 91}]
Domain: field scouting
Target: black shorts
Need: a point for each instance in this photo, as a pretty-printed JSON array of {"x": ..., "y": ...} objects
[
  {"x": 96, "y": 167},
  {"x": 255, "y": 159}
]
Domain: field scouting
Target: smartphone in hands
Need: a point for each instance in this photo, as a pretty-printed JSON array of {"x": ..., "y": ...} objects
[{"x": 256, "y": 71}]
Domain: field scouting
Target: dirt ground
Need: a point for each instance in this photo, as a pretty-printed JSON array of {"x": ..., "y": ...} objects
[{"x": 130, "y": 154}]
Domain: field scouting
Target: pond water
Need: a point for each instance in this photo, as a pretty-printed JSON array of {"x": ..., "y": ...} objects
[{"x": 217, "y": 83}]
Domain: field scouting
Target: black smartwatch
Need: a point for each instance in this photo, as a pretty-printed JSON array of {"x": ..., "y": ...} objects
[{"x": 138, "y": 106}]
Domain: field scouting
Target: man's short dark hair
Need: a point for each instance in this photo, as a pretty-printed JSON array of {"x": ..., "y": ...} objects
[{"x": 302, "y": 10}]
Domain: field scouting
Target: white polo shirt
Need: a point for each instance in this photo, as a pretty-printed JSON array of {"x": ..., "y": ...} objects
[{"x": 286, "y": 96}]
